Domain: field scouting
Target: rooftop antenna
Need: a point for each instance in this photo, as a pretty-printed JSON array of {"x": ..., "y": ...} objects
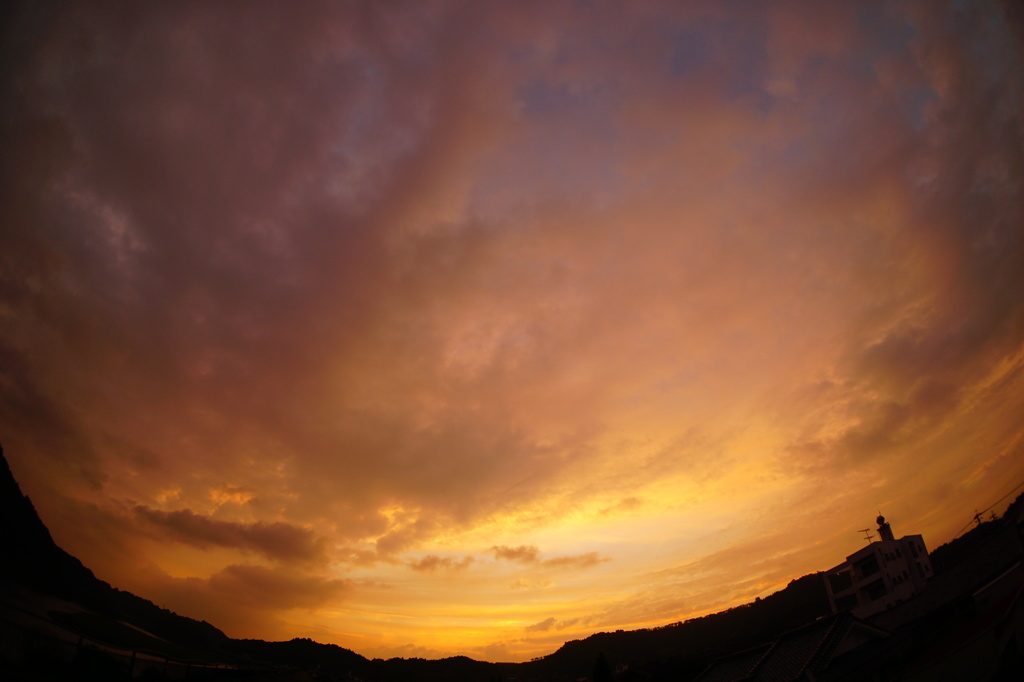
[{"x": 867, "y": 534}]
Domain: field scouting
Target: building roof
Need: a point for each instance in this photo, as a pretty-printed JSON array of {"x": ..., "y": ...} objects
[
  {"x": 738, "y": 666},
  {"x": 806, "y": 649}
]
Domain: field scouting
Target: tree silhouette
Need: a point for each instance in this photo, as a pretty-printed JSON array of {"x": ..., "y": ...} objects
[{"x": 602, "y": 671}]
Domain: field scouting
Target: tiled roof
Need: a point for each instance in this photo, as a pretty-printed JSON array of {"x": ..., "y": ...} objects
[
  {"x": 736, "y": 667},
  {"x": 807, "y": 648},
  {"x": 795, "y": 651}
]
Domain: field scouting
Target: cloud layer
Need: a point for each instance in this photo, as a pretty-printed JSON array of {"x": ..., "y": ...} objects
[
  {"x": 275, "y": 541},
  {"x": 360, "y": 306}
]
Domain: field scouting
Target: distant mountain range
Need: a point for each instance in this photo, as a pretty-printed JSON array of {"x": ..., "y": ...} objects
[{"x": 120, "y": 619}]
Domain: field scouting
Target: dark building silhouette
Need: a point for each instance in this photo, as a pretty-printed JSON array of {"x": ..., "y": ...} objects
[
  {"x": 879, "y": 576},
  {"x": 967, "y": 625}
]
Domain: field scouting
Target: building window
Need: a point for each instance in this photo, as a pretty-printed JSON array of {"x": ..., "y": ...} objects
[
  {"x": 867, "y": 566},
  {"x": 840, "y": 581},
  {"x": 875, "y": 590}
]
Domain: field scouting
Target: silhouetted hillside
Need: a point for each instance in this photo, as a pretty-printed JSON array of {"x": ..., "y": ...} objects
[
  {"x": 953, "y": 551},
  {"x": 31, "y": 558},
  {"x": 684, "y": 649},
  {"x": 301, "y": 653},
  {"x": 950, "y": 553},
  {"x": 679, "y": 651},
  {"x": 37, "y": 562},
  {"x": 451, "y": 669}
]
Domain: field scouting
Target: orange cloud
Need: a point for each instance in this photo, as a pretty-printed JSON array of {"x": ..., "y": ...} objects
[
  {"x": 524, "y": 553},
  {"x": 365, "y": 294},
  {"x": 433, "y": 562}
]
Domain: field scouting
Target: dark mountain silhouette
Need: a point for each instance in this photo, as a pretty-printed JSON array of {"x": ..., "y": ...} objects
[
  {"x": 31, "y": 558},
  {"x": 679, "y": 651},
  {"x": 35, "y": 561},
  {"x": 122, "y": 619}
]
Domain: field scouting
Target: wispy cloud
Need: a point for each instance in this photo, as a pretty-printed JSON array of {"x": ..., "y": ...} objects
[
  {"x": 433, "y": 562},
  {"x": 528, "y": 554}
]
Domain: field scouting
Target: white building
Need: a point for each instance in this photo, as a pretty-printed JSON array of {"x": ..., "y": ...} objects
[{"x": 880, "y": 575}]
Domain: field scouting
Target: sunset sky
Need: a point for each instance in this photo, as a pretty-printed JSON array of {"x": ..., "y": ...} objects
[{"x": 435, "y": 328}]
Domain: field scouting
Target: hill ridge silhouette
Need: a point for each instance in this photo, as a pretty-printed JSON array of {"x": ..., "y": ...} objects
[
  {"x": 678, "y": 650},
  {"x": 37, "y": 562}
]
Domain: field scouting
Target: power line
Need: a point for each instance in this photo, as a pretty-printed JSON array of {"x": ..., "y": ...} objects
[
  {"x": 977, "y": 514},
  {"x": 1019, "y": 485},
  {"x": 960, "y": 532}
]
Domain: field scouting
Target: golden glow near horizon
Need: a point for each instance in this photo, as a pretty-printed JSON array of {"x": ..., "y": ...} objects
[{"x": 461, "y": 328}]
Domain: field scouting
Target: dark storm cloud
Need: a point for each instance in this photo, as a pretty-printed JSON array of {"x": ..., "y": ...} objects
[{"x": 281, "y": 541}]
